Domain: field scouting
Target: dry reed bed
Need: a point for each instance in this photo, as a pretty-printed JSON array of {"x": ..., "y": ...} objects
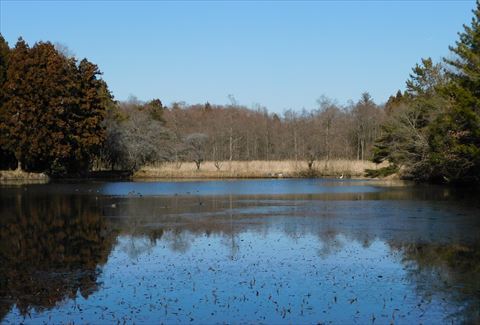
[
  {"x": 20, "y": 175},
  {"x": 257, "y": 169}
]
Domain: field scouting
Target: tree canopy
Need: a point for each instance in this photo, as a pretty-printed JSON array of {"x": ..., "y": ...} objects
[
  {"x": 433, "y": 130},
  {"x": 52, "y": 110}
]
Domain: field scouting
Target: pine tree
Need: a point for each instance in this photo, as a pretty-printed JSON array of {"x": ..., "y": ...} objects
[
  {"x": 436, "y": 135},
  {"x": 466, "y": 64},
  {"x": 425, "y": 79},
  {"x": 405, "y": 134},
  {"x": 455, "y": 135}
]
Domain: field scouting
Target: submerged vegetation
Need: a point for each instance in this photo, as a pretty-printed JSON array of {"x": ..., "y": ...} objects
[
  {"x": 58, "y": 116},
  {"x": 90, "y": 252}
]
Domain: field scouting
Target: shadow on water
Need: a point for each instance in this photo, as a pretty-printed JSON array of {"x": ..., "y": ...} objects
[{"x": 65, "y": 248}]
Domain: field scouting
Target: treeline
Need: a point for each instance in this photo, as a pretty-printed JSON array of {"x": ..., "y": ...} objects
[
  {"x": 140, "y": 133},
  {"x": 57, "y": 115}
]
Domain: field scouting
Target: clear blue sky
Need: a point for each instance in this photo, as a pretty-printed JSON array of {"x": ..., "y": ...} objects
[{"x": 278, "y": 54}]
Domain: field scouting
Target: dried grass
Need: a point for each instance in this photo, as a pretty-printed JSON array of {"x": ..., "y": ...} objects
[
  {"x": 257, "y": 169},
  {"x": 17, "y": 175}
]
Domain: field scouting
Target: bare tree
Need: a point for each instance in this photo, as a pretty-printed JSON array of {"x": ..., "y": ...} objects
[
  {"x": 234, "y": 132},
  {"x": 328, "y": 112},
  {"x": 196, "y": 143},
  {"x": 367, "y": 118},
  {"x": 134, "y": 138}
]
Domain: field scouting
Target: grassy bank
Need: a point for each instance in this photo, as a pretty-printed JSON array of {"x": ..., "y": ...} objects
[
  {"x": 258, "y": 169},
  {"x": 7, "y": 176},
  {"x": 227, "y": 169}
]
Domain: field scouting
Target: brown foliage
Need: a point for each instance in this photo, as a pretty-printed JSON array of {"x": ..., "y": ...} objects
[{"x": 53, "y": 110}]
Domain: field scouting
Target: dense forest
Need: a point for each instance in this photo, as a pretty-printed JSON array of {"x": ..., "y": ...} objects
[{"x": 58, "y": 116}]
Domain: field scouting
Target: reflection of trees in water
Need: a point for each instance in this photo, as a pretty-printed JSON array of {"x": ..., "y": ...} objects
[
  {"x": 51, "y": 245},
  {"x": 50, "y": 248},
  {"x": 451, "y": 271},
  {"x": 179, "y": 221},
  {"x": 330, "y": 243},
  {"x": 180, "y": 240},
  {"x": 134, "y": 247},
  {"x": 435, "y": 266},
  {"x": 322, "y": 215}
]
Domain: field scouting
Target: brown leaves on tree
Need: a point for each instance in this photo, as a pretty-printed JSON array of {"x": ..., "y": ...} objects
[{"x": 53, "y": 110}]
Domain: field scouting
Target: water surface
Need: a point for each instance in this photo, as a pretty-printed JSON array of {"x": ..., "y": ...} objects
[{"x": 249, "y": 251}]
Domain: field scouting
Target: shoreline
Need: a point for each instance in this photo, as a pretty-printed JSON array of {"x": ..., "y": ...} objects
[
  {"x": 354, "y": 169},
  {"x": 340, "y": 169},
  {"x": 20, "y": 176}
]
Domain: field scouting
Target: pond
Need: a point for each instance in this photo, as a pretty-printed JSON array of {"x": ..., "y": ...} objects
[{"x": 239, "y": 251}]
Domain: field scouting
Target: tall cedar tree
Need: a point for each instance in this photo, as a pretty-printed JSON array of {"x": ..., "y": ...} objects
[
  {"x": 455, "y": 135},
  {"x": 86, "y": 124},
  {"x": 7, "y": 158},
  {"x": 53, "y": 110},
  {"x": 4, "y": 54},
  {"x": 10, "y": 119}
]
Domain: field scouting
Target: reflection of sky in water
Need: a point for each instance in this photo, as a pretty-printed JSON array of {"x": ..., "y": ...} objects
[
  {"x": 270, "y": 278},
  {"x": 281, "y": 251},
  {"x": 238, "y": 187}
]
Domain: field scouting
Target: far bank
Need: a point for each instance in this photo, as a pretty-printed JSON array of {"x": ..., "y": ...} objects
[
  {"x": 218, "y": 170},
  {"x": 258, "y": 169}
]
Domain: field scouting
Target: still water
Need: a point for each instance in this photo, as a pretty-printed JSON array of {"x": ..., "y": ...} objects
[{"x": 255, "y": 251}]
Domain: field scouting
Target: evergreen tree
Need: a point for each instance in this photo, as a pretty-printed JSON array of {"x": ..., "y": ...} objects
[
  {"x": 405, "y": 134},
  {"x": 12, "y": 129},
  {"x": 4, "y": 55},
  {"x": 7, "y": 158},
  {"x": 393, "y": 102},
  {"x": 155, "y": 108},
  {"x": 86, "y": 130},
  {"x": 455, "y": 135},
  {"x": 53, "y": 110},
  {"x": 436, "y": 132},
  {"x": 425, "y": 79}
]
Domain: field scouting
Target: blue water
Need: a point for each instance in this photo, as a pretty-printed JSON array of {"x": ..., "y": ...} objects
[
  {"x": 256, "y": 251},
  {"x": 239, "y": 187}
]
